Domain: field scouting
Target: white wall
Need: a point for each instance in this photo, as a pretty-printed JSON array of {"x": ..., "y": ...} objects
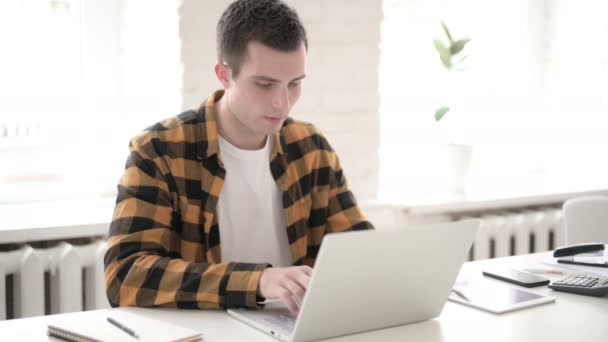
[{"x": 341, "y": 89}]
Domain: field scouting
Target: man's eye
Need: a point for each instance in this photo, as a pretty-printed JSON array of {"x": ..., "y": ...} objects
[
  {"x": 294, "y": 84},
  {"x": 264, "y": 85}
]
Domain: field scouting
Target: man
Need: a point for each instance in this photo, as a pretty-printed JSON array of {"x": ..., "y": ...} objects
[{"x": 236, "y": 171}]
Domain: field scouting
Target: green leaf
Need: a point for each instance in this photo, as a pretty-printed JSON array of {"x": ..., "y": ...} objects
[
  {"x": 440, "y": 112},
  {"x": 458, "y": 45},
  {"x": 440, "y": 47},
  {"x": 444, "y": 53},
  {"x": 446, "y": 62},
  {"x": 447, "y": 32}
]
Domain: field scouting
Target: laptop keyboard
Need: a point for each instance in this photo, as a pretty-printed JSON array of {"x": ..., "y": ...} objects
[{"x": 284, "y": 321}]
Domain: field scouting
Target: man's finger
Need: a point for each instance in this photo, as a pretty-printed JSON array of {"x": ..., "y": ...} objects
[
  {"x": 296, "y": 291},
  {"x": 289, "y": 301},
  {"x": 302, "y": 280},
  {"x": 307, "y": 270}
]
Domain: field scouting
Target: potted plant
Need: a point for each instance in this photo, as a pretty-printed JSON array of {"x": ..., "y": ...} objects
[{"x": 452, "y": 54}]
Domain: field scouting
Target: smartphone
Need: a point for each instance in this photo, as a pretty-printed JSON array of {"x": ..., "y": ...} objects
[{"x": 516, "y": 277}]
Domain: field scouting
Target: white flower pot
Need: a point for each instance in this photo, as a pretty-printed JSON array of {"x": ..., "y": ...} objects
[{"x": 458, "y": 165}]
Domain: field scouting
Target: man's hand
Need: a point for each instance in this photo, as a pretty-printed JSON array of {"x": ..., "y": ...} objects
[{"x": 287, "y": 284}]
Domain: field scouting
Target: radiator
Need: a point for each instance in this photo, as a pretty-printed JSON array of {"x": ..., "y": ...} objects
[
  {"x": 63, "y": 278},
  {"x": 517, "y": 232},
  {"x": 503, "y": 232}
]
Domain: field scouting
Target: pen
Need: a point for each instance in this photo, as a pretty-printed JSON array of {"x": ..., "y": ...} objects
[
  {"x": 123, "y": 327},
  {"x": 461, "y": 294},
  {"x": 546, "y": 271}
]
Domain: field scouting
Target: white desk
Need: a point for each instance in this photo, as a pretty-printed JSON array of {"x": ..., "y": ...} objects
[{"x": 571, "y": 318}]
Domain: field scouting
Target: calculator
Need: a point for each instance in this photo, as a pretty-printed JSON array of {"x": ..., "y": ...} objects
[{"x": 582, "y": 284}]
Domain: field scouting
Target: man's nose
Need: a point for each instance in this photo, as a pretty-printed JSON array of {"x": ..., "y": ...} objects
[{"x": 281, "y": 99}]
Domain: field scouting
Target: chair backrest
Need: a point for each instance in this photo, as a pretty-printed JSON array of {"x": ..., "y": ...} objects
[{"x": 586, "y": 219}]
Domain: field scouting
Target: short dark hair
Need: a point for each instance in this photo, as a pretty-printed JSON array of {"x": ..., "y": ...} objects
[{"x": 270, "y": 22}]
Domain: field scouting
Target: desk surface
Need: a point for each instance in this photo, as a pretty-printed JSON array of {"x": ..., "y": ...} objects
[{"x": 571, "y": 318}]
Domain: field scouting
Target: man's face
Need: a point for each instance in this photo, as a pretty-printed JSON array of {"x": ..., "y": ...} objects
[{"x": 268, "y": 85}]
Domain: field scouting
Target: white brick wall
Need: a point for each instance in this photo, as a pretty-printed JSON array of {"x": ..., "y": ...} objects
[{"x": 341, "y": 89}]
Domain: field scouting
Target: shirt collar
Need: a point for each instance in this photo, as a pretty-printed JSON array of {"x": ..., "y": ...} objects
[{"x": 208, "y": 130}]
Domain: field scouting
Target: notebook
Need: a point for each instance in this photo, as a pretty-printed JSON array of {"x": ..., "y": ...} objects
[{"x": 95, "y": 327}]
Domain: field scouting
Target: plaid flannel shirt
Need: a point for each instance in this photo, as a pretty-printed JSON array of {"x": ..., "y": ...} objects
[{"x": 164, "y": 242}]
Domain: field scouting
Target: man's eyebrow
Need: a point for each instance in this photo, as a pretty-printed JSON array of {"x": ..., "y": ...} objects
[
  {"x": 274, "y": 80},
  {"x": 298, "y": 78}
]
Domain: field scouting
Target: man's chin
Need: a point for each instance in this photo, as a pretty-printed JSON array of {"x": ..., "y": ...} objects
[
  {"x": 274, "y": 130},
  {"x": 264, "y": 131}
]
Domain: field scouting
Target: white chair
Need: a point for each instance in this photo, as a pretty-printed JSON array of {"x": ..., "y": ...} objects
[{"x": 586, "y": 219}]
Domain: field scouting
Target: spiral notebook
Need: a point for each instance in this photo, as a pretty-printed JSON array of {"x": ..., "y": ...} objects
[{"x": 94, "y": 328}]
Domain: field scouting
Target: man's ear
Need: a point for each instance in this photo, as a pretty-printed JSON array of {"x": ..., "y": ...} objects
[{"x": 222, "y": 71}]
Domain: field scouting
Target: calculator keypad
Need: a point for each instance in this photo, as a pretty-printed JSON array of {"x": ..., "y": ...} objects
[
  {"x": 579, "y": 281},
  {"x": 582, "y": 284}
]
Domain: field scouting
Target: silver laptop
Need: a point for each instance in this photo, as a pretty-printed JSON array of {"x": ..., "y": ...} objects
[{"x": 372, "y": 279}]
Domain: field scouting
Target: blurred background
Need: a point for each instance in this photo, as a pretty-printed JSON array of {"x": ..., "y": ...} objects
[
  {"x": 526, "y": 128},
  {"x": 80, "y": 77}
]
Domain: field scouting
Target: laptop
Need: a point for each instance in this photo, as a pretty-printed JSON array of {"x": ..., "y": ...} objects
[{"x": 372, "y": 279}]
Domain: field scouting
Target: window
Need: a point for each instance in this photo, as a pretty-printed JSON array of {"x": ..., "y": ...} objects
[
  {"x": 530, "y": 103},
  {"x": 76, "y": 81}
]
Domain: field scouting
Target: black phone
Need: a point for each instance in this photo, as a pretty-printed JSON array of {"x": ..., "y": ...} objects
[{"x": 516, "y": 277}]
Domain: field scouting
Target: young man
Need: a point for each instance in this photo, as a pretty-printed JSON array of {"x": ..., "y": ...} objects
[{"x": 236, "y": 171}]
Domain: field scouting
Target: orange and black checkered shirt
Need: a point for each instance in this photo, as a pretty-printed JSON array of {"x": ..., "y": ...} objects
[{"x": 164, "y": 241}]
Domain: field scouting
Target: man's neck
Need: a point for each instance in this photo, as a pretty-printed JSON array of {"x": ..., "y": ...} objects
[{"x": 233, "y": 131}]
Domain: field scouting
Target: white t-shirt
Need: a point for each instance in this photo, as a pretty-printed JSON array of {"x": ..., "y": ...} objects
[{"x": 250, "y": 210}]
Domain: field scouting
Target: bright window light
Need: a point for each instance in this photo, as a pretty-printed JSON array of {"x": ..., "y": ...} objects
[
  {"x": 530, "y": 102},
  {"x": 79, "y": 78}
]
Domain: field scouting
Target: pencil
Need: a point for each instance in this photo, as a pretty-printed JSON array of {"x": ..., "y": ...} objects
[{"x": 123, "y": 327}]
